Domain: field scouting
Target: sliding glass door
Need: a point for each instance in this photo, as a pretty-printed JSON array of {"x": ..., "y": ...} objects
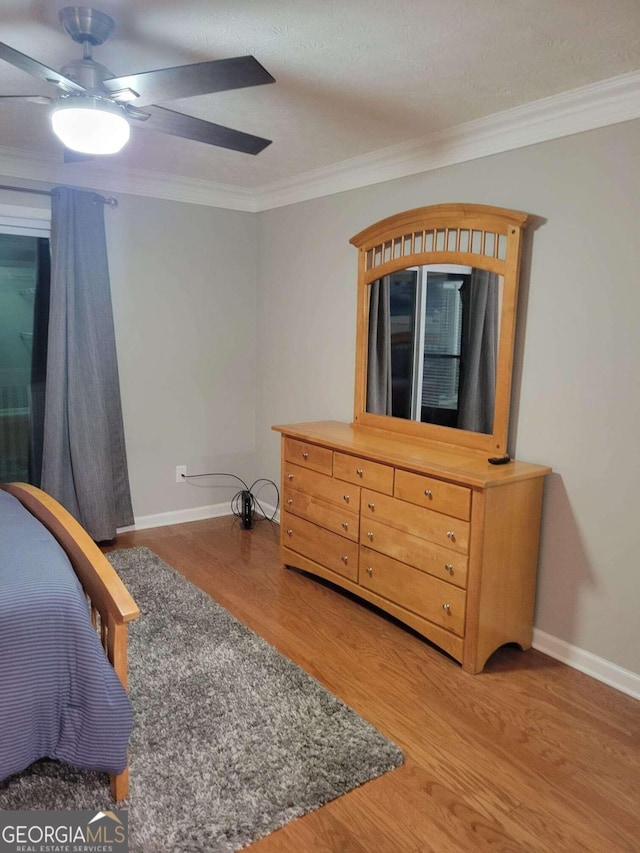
[{"x": 24, "y": 286}]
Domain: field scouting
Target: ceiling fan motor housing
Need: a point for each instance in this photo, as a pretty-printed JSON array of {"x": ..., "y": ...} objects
[
  {"x": 88, "y": 27},
  {"x": 87, "y": 73}
]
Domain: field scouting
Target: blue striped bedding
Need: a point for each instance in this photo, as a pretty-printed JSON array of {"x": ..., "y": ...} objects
[{"x": 59, "y": 696}]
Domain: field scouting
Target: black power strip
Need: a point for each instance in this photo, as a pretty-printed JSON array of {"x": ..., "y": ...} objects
[{"x": 246, "y": 515}]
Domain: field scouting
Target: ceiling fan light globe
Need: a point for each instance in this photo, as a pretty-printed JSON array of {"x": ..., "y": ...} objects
[{"x": 90, "y": 127}]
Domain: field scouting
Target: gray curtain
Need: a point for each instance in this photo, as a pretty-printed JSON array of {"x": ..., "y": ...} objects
[
  {"x": 478, "y": 351},
  {"x": 379, "y": 385},
  {"x": 84, "y": 463}
]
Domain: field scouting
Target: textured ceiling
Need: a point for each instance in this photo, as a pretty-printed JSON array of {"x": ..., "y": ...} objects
[{"x": 353, "y": 76}]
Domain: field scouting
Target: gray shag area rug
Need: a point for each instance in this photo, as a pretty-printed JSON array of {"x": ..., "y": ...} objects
[{"x": 231, "y": 740}]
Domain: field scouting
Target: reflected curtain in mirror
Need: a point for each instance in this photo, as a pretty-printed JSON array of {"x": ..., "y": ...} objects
[
  {"x": 479, "y": 347},
  {"x": 379, "y": 378}
]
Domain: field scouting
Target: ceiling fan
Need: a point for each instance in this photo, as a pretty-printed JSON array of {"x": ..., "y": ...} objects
[{"x": 93, "y": 109}]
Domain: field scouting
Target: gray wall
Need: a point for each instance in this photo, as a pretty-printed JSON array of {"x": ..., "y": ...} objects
[
  {"x": 183, "y": 281},
  {"x": 577, "y": 400}
]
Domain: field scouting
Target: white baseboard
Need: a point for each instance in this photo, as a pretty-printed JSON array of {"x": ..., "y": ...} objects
[
  {"x": 597, "y": 667},
  {"x": 178, "y": 516},
  {"x": 196, "y": 513}
]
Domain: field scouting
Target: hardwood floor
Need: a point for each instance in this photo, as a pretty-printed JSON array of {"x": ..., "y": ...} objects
[{"x": 531, "y": 755}]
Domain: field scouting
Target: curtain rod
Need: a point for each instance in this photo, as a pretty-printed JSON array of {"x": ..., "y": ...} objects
[{"x": 108, "y": 200}]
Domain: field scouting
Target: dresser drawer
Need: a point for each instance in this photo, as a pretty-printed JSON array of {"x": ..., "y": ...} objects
[
  {"x": 330, "y": 550},
  {"x": 308, "y": 455},
  {"x": 334, "y": 518},
  {"x": 373, "y": 475},
  {"x": 321, "y": 486},
  {"x": 442, "y": 529},
  {"x": 434, "y": 494},
  {"x": 442, "y": 563},
  {"x": 435, "y": 600}
]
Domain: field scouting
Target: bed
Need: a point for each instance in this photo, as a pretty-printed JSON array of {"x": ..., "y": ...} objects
[{"x": 62, "y": 607}]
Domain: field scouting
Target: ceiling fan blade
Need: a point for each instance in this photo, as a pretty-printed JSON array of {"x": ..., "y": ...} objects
[
  {"x": 184, "y": 81},
  {"x": 37, "y": 69},
  {"x": 188, "y": 127},
  {"x": 33, "y": 99}
]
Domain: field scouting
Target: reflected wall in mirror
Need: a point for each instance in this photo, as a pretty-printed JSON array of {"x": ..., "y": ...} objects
[{"x": 437, "y": 293}]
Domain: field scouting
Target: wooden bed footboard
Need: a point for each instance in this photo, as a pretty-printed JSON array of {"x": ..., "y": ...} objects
[{"x": 112, "y": 607}]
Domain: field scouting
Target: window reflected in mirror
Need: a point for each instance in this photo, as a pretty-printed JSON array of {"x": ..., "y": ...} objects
[{"x": 432, "y": 345}]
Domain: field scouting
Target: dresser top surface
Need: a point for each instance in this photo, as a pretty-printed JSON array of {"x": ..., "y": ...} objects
[{"x": 428, "y": 457}]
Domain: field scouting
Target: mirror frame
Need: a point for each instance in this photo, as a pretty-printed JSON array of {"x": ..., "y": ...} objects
[{"x": 473, "y": 235}]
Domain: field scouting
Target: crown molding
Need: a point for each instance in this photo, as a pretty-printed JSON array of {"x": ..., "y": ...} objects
[
  {"x": 587, "y": 108},
  {"x": 107, "y": 177}
]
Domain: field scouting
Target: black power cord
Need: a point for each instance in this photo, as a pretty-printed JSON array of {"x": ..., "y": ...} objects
[{"x": 244, "y": 502}]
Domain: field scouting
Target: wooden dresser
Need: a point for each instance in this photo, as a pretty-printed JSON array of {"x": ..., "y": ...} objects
[{"x": 429, "y": 532}]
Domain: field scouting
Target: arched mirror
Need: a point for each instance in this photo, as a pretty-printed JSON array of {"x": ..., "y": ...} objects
[{"x": 437, "y": 294}]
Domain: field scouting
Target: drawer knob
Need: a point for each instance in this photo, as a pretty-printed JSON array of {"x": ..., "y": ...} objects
[
  {"x": 345, "y": 525},
  {"x": 359, "y": 472},
  {"x": 446, "y": 608},
  {"x": 448, "y": 568},
  {"x": 289, "y": 477},
  {"x": 369, "y": 571},
  {"x": 345, "y": 498},
  {"x": 345, "y": 559},
  {"x": 371, "y": 506},
  {"x": 305, "y": 455},
  {"x": 428, "y": 493},
  {"x": 451, "y": 535},
  {"x": 289, "y": 501},
  {"x": 289, "y": 532},
  {"x": 369, "y": 535}
]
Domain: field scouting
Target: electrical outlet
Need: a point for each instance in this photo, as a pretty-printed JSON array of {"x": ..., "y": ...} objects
[{"x": 181, "y": 473}]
